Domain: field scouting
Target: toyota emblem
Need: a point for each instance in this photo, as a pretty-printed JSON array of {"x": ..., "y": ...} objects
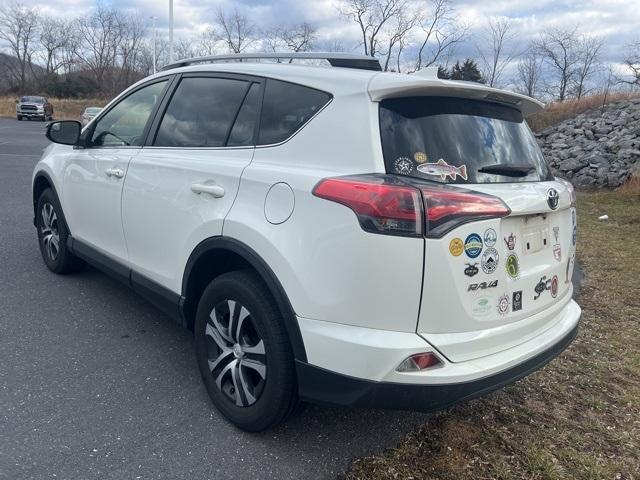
[{"x": 552, "y": 198}]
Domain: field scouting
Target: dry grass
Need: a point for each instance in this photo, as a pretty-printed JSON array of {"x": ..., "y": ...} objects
[
  {"x": 558, "y": 111},
  {"x": 579, "y": 417},
  {"x": 63, "y": 108},
  {"x": 631, "y": 187}
]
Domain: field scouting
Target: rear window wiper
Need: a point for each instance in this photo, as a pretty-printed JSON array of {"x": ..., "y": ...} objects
[{"x": 507, "y": 170}]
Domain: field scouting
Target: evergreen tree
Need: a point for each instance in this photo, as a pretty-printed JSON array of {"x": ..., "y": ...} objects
[
  {"x": 468, "y": 71},
  {"x": 443, "y": 73}
]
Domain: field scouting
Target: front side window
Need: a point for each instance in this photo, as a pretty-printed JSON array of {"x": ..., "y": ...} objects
[
  {"x": 201, "y": 112},
  {"x": 286, "y": 108},
  {"x": 124, "y": 124},
  {"x": 455, "y": 140}
]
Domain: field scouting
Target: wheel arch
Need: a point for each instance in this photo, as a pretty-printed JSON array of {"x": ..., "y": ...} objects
[
  {"x": 217, "y": 255},
  {"x": 42, "y": 181}
]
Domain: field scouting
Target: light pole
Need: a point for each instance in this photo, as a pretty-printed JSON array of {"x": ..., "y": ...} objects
[
  {"x": 153, "y": 20},
  {"x": 170, "y": 31}
]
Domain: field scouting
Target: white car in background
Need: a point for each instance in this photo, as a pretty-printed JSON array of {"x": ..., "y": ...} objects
[
  {"x": 89, "y": 114},
  {"x": 335, "y": 235}
]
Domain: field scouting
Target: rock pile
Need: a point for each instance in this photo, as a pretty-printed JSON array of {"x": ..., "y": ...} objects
[{"x": 596, "y": 148}]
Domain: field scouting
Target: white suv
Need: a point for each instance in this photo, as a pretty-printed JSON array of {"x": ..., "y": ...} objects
[{"x": 337, "y": 235}]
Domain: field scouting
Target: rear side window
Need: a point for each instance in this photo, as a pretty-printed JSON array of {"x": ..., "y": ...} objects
[
  {"x": 452, "y": 140},
  {"x": 201, "y": 112},
  {"x": 286, "y": 108}
]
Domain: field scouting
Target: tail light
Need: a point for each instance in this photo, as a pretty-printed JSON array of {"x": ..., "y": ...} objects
[
  {"x": 449, "y": 207},
  {"x": 381, "y": 204},
  {"x": 385, "y": 204}
]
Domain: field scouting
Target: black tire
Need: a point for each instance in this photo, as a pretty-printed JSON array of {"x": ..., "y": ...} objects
[
  {"x": 19, "y": 118},
  {"x": 55, "y": 254},
  {"x": 275, "y": 395}
]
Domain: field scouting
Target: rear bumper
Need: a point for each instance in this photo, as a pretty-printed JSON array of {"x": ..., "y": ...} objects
[{"x": 322, "y": 386}]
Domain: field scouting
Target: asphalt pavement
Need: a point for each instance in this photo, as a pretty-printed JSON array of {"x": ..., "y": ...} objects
[{"x": 97, "y": 383}]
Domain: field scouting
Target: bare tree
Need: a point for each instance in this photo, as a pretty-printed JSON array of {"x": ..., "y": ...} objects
[
  {"x": 184, "y": 48},
  {"x": 372, "y": 16},
  {"x": 588, "y": 62},
  {"x": 235, "y": 30},
  {"x": 299, "y": 38},
  {"x": 19, "y": 29},
  {"x": 559, "y": 49},
  {"x": 496, "y": 49},
  {"x": 208, "y": 44},
  {"x": 100, "y": 35},
  {"x": 632, "y": 64},
  {"x": 133, "y": 30},
  {"x": 396, "y": 37},
  {"x": 529, "y": 73},
  {"x": 441, "y": 34},
  {"x": 53, "y": 40}
]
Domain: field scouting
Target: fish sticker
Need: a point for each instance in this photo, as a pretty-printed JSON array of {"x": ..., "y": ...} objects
[{"x": 443, "y": 170}]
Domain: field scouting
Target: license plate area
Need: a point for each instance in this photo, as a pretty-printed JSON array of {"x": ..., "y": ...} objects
[{"x": 535, "y": 234}]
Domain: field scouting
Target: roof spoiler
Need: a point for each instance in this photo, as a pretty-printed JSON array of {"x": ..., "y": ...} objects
[{"x": 425, "y": 84}]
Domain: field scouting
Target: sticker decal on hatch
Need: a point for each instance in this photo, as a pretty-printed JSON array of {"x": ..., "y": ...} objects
[
  {"x": 510, "y": 241},
  {"x": 490, "y": 260},
  {"x": 471, "y": 270},
  {"x": 490, "y": 237},
  {"x": 420, "y": 157},
  {"x": 473, "y": 245},
  {"x": 512, "y": 266},
  {"x": 503, "y": 304},
  {"x": 443, "y": 170},
  {"x": 456, "y": 247},
  {"x": 403, "y": 165}
]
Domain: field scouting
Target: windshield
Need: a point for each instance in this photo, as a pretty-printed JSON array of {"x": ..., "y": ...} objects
[
  {"x": 450, "y": 139},
  {"x": 32, "y": 100}
]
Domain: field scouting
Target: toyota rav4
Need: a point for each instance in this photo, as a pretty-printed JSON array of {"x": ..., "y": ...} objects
[{"x": 336, "y": 235}]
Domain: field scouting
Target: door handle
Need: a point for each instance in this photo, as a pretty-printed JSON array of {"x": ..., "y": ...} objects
[
  {"x": 114, "y": 172},
  {"x": 214, "y": 190}
]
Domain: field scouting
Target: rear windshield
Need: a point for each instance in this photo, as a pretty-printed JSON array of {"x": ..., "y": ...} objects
[
  {"x": 32, "y": 100},
  {"x": 449, "y": 140}
]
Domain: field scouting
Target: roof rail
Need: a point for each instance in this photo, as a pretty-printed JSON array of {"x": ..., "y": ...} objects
[{"x": 344, "y": 60}]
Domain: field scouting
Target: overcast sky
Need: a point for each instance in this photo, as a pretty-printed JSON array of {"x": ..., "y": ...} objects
[{"x": 617, "y": 21}]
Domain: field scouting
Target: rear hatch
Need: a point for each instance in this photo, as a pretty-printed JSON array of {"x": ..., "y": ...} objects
[{"x": 491, "y": 280}]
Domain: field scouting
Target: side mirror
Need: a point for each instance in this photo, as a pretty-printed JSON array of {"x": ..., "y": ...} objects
[{"x": 66, "y": 132}]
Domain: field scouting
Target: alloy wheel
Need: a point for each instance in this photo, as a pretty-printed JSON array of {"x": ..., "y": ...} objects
[
  {"x": 49, "y": 231},
  {"x": 236, "y": 353}
]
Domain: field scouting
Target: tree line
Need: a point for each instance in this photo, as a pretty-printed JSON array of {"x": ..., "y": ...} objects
[{"x": 108, "y": 49}]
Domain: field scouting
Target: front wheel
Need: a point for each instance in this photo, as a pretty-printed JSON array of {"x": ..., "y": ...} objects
[
  {"x": 53, "y": 234},
  {"x": 19, "y": 118},
  {"x": 243, "y": 352}
]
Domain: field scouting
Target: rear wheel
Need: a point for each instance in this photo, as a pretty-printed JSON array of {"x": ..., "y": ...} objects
[
  {"x": 53, "y": 234},
  {"x": 243, "y": 352}
]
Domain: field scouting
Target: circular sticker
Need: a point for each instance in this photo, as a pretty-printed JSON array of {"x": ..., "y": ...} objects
[
  {"x": 512, "y": 266},
  {"x": 503, "y": 304},
  {"x": 420, "y": 157},
  {"x": 473, "y": 245},
  {"x": 481, "y": 307},
  {"x": 554, "y": 286},
  {"x": 490, "y": 260},
  {"x": 456, "y": 247},
  {"x": 403, "y": 165},
  {"x": 490, "y": 237}
]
